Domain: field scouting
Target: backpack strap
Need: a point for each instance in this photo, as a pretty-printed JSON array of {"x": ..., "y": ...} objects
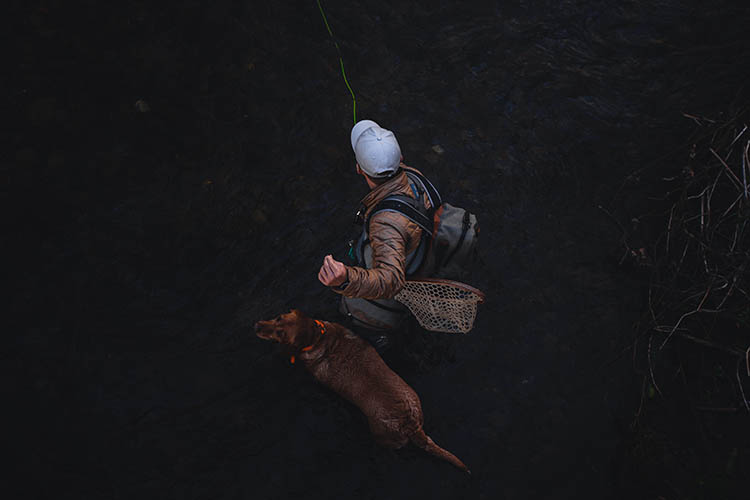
[
  {"x": 404, "y": 205},
  {"x": 432, "y": 192},
  {"x": 414, "y": 210}
]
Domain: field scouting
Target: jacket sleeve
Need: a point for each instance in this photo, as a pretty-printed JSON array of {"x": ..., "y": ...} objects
[{"x": 388, "y": 240}]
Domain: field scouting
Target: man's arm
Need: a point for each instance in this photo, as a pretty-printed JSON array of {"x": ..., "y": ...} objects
[
  {"x": 388, "y": 240},
  {"x": 388, "y": 273}
]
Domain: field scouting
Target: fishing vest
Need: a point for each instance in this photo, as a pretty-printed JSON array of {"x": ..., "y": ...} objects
[
  {"x": 411, "y": 208},
  {"x": 449, "y": 233}
]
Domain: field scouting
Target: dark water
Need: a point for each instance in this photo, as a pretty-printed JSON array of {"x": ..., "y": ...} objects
[{"x": 149, "y": 242}]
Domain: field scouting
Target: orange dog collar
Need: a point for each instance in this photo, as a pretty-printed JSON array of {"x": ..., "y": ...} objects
[{"x": 305, "y": 349}]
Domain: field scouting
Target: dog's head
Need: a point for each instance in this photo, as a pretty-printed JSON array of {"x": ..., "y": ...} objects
[{"x": 286, "y": 329}]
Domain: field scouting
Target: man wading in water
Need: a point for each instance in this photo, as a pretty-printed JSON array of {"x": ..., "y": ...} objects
[{"x": 391, "y": 246}]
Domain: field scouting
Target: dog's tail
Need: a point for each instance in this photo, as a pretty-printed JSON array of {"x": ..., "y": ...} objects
[{"x": 422, "y": 440}]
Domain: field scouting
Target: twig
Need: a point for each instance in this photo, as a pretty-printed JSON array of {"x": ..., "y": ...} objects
[
  {"x": 736, "y": 179},
  {"x": 705, "y": 262},
  {"x": 742, "y": 390},
  {"x": 694, "y": 217},
  {"x": 720, "y": 410},
  {"x": 708, "y": 290},
  {"x": 669, "y": 232},
  {"x": 713, "y": 187},
  {"x": 684, "y": 252},
  {"x": 707, "y": 343},
  {"x": 737, "y": 231},
  {"x": 640, "y": 406},
  {"x": 747, "y": 361},
  {"x": 731, "y": 288},
  {"x": 729, "y": 149},
  {"x": 744, "y": 166},
  {"x": 651, "y": 367},
  {"x": 667, "y": 329},
  {"x": 651, "y": 305},
  {"x": 696, "y": 119},
  {"x": 731, "y": 206},
  {"x": 699, "y": 195},
  {"x": 614, "y": 219},
  {"x": 623, "y": 238}
]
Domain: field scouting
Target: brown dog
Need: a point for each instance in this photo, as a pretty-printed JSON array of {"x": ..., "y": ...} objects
[{"x": 350, "y": 366}]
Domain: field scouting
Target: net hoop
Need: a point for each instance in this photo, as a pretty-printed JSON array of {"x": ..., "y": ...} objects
[
  {"x": 441, "y": 305},
  {"x": 457, "y": 284}
]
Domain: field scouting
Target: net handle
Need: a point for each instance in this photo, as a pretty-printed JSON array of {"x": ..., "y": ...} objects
[{"x": 457, "y": 284}]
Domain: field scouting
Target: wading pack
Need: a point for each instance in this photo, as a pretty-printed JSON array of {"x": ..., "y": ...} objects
[{"x": 449, "y": 233}]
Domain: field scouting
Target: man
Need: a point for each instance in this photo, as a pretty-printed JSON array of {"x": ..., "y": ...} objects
[{"x": 391, "y": 245}]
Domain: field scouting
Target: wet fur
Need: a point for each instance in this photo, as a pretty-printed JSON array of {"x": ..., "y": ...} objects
[{"x": 350, "y": 366}]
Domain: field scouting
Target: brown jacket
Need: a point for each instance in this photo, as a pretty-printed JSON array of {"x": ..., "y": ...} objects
[{"x": 392, "y": 238}]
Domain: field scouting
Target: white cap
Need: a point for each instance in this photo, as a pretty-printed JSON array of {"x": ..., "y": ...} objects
[{"x": 376, "y": 149}]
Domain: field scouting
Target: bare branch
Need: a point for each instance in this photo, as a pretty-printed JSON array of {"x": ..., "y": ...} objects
[
  {"x": 708, "y": 290},
  {"x": 729, "y": 149},
  {"x": 745, "y": 162},
  {"x": 742, "y": 390},
  {"x": 651, "y": 367},
  {"x": 734, "y": 177}
]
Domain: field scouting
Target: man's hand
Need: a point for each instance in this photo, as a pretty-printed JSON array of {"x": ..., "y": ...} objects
[{"x": 332, "y": 272}]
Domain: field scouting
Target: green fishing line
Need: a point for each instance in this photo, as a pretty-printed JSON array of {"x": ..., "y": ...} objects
[{"x": 341, "y": 63}]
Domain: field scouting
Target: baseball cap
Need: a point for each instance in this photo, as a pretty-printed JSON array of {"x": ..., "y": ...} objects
[{"x": 376, "y": 149}]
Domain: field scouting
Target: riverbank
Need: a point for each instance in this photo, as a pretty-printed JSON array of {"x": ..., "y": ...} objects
[{"x": 178, "y": 171}]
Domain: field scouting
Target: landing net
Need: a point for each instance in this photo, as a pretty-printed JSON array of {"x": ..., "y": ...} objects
[{"x": 442, "y": 305}]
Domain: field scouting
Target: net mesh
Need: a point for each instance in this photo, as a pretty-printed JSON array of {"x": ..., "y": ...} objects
[{"x": 441, "y": 306}]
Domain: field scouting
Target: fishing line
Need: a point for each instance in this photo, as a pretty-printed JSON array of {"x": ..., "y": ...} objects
[{"x": 341, "y": 62}]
